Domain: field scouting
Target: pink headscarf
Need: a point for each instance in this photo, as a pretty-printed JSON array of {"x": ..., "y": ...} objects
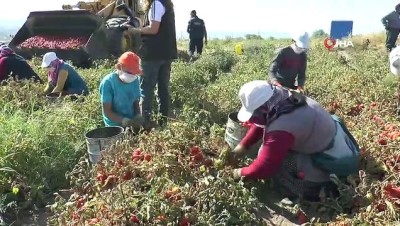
[
  {"x": 5, "y": 51},
  {"x": 53, "y": 76}
]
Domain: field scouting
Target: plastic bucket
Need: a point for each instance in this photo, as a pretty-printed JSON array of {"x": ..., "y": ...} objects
[
  {"x": 235, "y": 132},
  {"x": 100, "y": 139}
]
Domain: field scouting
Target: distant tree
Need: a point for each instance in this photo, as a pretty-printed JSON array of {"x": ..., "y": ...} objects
[
  {"x": 253, "y": 37},
  {"x": 319, "y": 34}
]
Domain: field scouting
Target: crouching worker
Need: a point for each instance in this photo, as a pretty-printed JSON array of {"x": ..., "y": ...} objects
[
  {"x": 120, "y": 93},
  {"x": 63, "y": 79},
  {"x": 304, "y": 147},
  {"x": 14, "y": 65}
]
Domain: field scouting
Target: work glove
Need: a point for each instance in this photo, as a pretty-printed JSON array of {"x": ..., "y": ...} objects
[
  {"x": 238, "y": 152},
  {"x": 138, "y": 120},
  {"x": 135, "y": 122},
  {"x": 236, "y": 174}
]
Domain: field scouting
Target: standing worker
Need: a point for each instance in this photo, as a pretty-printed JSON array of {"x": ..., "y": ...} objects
[
  {"x": 303, "y": 147},
  {"x": 197, "y": 32},
  {"x": 14, "y": 65},
  {"x": 157, "y": 51},
  {"x": 391, "y": 22},
  {"x": 63, "y": 79},
  {"x": 120, "y": 93},
  {"x": 290, "y": 64}
]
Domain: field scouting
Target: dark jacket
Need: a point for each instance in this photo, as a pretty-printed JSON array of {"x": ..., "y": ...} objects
[
  {"x": 287, "y": 66},
  {"x": 161, "y": 46},
  {"x": 17, "y": 67},
  {"x": 196, "y": 28},
  {"x": 391, "y": 20}
]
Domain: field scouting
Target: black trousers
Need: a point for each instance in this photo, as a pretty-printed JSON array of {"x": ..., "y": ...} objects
[
  {"x": 196, "y": 44},
  {"x": 391, "y": 38}
]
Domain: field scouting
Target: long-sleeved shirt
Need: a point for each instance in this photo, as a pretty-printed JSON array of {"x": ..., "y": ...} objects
[
  {"x": 287, "y": 66},
  {"x": 392, "y": 20},
  {"x": 276, "y": 145},
  {"x": 15, "y": 65}
]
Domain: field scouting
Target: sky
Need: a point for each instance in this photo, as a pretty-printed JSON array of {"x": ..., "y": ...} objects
[{"x": 231, "y": 17}]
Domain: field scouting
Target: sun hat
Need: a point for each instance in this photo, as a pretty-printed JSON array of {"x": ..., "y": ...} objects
[
  {"x": 252, "y": 95},
  {"x": 131, "y": 62},
  {"x": 302, "y": 40},
  {"x": 48, "y": 58}
]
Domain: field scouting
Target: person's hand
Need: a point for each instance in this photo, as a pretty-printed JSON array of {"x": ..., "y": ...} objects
[
  {"x": 275, "y": 83},
  {"x": 237, "y": 153},
  {"x": 126, "y": 24},
  {"x": 237, "y": 174},
  {"x": 126, "y": 122},
  {"x": 300, "y": 89},
  {"x": 137, "y": 121}
]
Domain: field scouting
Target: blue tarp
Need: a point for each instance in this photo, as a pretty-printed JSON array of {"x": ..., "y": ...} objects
[{"x": 341, "y": 29}]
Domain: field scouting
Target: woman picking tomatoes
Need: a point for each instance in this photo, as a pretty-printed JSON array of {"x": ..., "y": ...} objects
[
  {"x": 303, "y": 145},
  {"x": 63, "y": 79},
  {"x": 14, "y": 65},
  {"x": 120, "y": 93},
  {"x": 290, "y": 64}
]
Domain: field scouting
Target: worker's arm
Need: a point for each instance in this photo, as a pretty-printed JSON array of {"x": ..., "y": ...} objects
[
  {"x": 189, "y": 27},
  {"x": 274, "y": 150},
  {"x": 157, "y": 11},
  {"x": 385, "y": 19},
  {"x": 106, "y": 96},
  {"x": 273, "y": 70},
  {"x": 3, "y": 69},
  {"x": 301, "y": 77},
  {"x": 107, "y": 108},
  {"x": 253, "y": 135},
  {"x": 62, "y": 77}
]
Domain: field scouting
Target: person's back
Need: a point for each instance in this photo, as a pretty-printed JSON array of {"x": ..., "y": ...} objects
[
  {"x": 74, "y": 81},
  {"x": 196, "y": 28},
  {"x": 17, "y": 67},
  {"x": 311, "y": 124}
]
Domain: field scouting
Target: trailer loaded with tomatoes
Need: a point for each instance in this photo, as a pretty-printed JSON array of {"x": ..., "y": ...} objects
[{"x": 75, "y": 35}]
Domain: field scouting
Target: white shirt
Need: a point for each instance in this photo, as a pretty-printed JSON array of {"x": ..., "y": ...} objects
[{"x": 157, "y": 11}]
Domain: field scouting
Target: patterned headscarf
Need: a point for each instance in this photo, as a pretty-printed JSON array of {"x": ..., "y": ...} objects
[
  {"x": 5, "y": 51},
  {"x": 280, "y": 103},
  {"x": 53, "y": 76}
]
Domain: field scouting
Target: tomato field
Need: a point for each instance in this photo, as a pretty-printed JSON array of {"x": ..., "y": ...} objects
[{"x": 178, "y": 176}]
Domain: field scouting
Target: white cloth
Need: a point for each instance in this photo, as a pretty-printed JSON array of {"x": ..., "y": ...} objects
[
  {"x": 157, "y": 11},
  {"x": 394, "y": 60}
]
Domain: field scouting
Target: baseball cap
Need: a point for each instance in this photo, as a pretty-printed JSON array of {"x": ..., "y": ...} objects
[
  {"x": 131, "y": 62},
  {"x": 252, "y": 95},
  {"x": 302, "y": 40},
  {"x": 48, "y": 58}
]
